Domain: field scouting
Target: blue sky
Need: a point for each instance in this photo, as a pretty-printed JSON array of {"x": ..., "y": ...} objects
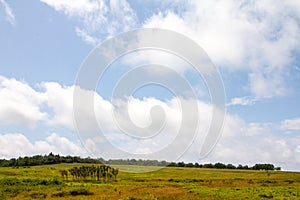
[{"x": 255, "y": 46}]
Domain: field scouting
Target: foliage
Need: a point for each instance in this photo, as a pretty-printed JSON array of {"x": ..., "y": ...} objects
[
  {"x": 46, "y": 160},
  {"x": 102, "y": 173},
  {"x": 74, "y": 192}
]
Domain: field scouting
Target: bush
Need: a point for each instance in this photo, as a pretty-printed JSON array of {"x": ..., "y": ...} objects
[
  {"x": 38, "y": 195},
  {"x": 37, "y": 181},
  {"x": 10, "y": 181},
  {"x": 74, "y": 192},
  {"x": 270, "y": 196},
  {"x": 289, "y": 181},
  {"x": 60, "y": 194},
  {"x": 81, "y": 191}
]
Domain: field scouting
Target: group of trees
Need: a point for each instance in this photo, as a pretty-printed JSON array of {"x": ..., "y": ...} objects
[
  {"x": 56, "y": 159},
  {"x": 47, "y": 160},
  {"x": 100, "y": 173},
  {"x": 137, "y": 162}
]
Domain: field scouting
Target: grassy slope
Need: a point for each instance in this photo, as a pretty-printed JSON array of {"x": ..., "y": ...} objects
[{"x": 45, "y": 182}]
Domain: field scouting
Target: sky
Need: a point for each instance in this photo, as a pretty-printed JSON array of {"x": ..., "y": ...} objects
[{"x": 254, "y": 45}]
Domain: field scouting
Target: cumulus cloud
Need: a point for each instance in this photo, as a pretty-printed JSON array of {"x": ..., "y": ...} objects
[
  {"x": 10, "y": 17},
  {"x": 20, "y": 104},
  {"x": 17, "y": 144},
  {"x": 59, "y": 100},
  {"x": 255, "y": 37},
  {"x": 249, "y": 36},
  {"x": 98, "y": 18},
  {"x": 241, "y": 142},
  {"x": 290, "y": 124},
  {"x": 251, "y": 143}
]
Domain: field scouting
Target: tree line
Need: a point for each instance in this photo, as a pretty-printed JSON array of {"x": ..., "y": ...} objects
[
  {"x": 57, "y": 159},
  {"x": 219, "y": 165},
  {"x": 47, "y": 160}
]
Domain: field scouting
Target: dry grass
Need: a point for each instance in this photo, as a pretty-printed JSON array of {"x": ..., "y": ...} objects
[{"x": 45, "y": 182}]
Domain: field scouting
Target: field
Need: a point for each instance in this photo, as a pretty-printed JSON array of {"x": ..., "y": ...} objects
[{"x": 45, "y": 182}]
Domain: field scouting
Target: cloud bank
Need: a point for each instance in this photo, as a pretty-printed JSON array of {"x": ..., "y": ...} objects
[{"x": 241, "y": 142}]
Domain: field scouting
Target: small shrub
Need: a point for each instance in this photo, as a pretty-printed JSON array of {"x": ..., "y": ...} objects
[
  {"x": 268, "y": 181},
  {"x": 38, "y": 195},
  {"x": 55, "y": 181},
  {"x": 80, "y": 191},
  {"x": 10, "y": 181},
  {"x": 60, "y": 194},
  {"x": 12, "y": 192},
  {"x": 74, "y": 192},
  {"x": 239, "y": 179},
  {"x": 289, "y": 181},
  {"x": 250, "y": 181},
  {"x": 193, "y": 180},
  {"x": 140, "y": 180},
  {"x": 174, "y": 180},
  {"x": 270, "y": 196}
]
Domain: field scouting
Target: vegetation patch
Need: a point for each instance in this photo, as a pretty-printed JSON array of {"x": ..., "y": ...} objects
[
  {"x": 268, "y": 181},
  {"x": 239, "y": 179},
  {"x": 186, "y": 180},
  {"x": 47, "y": 182},
  {"x": 74, "y": 192},
  {"x": 38, "y": 195},
  {"x": 289, "y": 181},
  {"x": 267, "y": 196}
]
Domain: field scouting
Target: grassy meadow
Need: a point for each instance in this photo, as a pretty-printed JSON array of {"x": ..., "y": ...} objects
[{"x": 46, "y": 182}]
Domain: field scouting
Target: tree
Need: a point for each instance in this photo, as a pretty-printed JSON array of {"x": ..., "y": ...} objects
[
  {"x": 181, "y": 164},
  {"x": 263, "y": 167},
  {"x": 209, "y": 165},
  {"x": 189, "y": 165},
  {"x": 220, "y": 166},
  {"x": 64, "y": 174},
  {"x": 278, "y": 168},
  {"x": 230, "y": 166}
]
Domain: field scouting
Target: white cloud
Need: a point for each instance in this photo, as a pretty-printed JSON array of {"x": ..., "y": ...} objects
[
  {"x": 251, "y": 143},
  {"x": 20, "y": 104},
  {"x": 10, "y": 17},
  {"x": 60, "y": 100},
  {"x": 17, "y": 144},
  {"x": 99, "y": 19},
  {"x": 85, "y": 36},
  {"x": 241, "y": 142},
  {"x": 250, "y": 36},
  {"x": 144, "y": 57},
  {"x": 243, "y": 101},
  {"x": 256, "y": 37},
  {"x": 62, "y": 145},
  {"x": 141, "y": 115},
  {"x": 75, "y": 7},
  {"x": 267, "y": 85},
  {"x": 290, "y": 124}
]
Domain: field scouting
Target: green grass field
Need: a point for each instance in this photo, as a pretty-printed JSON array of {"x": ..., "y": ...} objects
[{"x": 45, "y": 182}]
